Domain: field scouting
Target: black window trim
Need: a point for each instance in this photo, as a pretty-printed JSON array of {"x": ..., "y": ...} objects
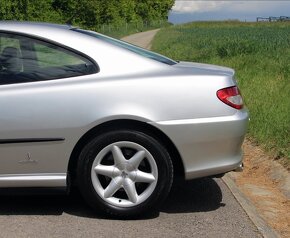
[{"x": 57, "y": 44}]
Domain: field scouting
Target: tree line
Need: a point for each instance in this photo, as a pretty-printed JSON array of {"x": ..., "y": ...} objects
[{"x": 86, "y": 13}]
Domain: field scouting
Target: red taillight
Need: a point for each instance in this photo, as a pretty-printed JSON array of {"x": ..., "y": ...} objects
[{"x": 231, "y": 96}]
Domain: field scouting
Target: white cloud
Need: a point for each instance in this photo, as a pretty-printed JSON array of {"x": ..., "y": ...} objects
[
  {"x": 234, "y": 6},
  {"x": 186, "y": 11},
  {"x": 197, "y": 6}
]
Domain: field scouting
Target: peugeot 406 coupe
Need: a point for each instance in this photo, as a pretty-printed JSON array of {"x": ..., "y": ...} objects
[{"x": 119, "y": 122}]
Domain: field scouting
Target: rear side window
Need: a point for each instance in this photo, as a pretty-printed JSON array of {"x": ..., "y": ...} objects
[
  {"x": 23, "y": 59},
  {"x": 49, "y": 56}
]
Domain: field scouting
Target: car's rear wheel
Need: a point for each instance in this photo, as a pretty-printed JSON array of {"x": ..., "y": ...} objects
[{"x": 124, "y": 173}]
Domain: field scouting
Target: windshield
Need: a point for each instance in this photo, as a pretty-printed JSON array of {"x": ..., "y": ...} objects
[{"x": 127, "y": 46}]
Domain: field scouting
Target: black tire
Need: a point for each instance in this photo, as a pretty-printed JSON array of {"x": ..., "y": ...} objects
[{"x": 162, "y": 184}]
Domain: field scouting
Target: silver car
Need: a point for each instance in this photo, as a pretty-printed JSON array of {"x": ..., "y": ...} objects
[{"x": 119, "y": 122}]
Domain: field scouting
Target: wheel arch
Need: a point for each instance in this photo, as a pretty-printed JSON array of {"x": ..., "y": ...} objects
[{"x": 125, "y": 124}]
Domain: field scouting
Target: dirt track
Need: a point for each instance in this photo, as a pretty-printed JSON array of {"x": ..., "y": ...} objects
[
  {"x": 142, "y": 39},
  {"x": 267, "y": 184}
]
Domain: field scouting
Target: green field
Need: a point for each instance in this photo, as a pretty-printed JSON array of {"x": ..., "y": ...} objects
[{"x": 260, "y": 54}]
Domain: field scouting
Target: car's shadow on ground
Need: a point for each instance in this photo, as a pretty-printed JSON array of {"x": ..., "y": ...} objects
[
  {"x": 186, "y": 197},
  {"x": 199, "y": 195}
]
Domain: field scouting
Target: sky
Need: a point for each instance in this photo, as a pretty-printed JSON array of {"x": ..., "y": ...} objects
[{"x": 192, "y": 10}]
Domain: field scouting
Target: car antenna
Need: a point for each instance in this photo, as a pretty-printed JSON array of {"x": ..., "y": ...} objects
[{"x": 70, "y": 20}]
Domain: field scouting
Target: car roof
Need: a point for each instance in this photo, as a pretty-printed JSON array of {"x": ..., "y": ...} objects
[
  {"x": 48, "y": 31},
  {"x": 19, "y": 25}
]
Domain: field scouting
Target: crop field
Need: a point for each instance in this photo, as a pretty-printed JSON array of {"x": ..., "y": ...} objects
[{"x": 260, "y": 54}]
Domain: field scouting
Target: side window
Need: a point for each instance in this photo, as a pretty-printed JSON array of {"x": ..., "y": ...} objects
[
  {"x": 24, "y": 59},
  {"x": 10, "y": 55}
]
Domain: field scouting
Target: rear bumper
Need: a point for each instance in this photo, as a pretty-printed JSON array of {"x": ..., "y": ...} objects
[{"x": 208, "y": 146}]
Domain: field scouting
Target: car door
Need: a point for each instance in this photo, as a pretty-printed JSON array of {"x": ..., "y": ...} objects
[{"x": 34, "y": 119}]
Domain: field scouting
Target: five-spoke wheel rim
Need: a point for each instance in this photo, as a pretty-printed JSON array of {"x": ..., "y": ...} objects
[{"x": 124, "y": 174}]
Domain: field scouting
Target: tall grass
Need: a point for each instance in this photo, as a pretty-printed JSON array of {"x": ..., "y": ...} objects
[{"x": 260, "y": 54}]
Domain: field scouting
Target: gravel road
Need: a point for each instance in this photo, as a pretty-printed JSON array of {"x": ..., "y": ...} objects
[
  {"x": 199, "y": 208},
  {"x": 142, "y": 39}
]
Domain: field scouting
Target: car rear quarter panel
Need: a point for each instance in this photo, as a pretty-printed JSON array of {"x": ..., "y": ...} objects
[{"x": 69, "y": 108}]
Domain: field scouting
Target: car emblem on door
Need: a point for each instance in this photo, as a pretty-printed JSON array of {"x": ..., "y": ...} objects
[{"x": 27, "y": 159}]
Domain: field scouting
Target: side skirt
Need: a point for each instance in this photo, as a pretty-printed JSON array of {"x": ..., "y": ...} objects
[{"x": 32, "y": 180}]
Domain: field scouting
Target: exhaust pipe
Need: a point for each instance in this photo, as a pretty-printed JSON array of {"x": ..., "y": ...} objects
[{"x": 240, "y": 168}]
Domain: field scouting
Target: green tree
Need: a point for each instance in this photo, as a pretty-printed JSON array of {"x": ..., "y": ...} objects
[
  {"x": 86, "y": 13},
  {"x": 28, "y": 10},
  {"x": 150, "y": 10}
]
